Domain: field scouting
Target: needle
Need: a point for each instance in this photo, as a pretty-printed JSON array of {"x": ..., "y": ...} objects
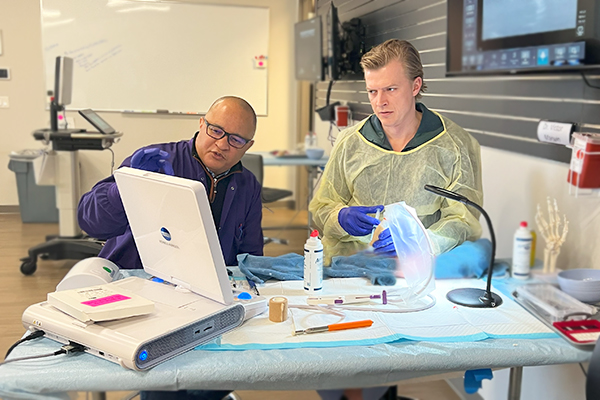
[{"x": 335, "y": 327}]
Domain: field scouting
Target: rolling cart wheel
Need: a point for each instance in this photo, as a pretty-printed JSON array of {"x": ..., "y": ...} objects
[{"x": 28, "y": 267}]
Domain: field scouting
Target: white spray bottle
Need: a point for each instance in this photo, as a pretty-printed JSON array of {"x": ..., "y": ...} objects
[{"x": 313, "y": 264}]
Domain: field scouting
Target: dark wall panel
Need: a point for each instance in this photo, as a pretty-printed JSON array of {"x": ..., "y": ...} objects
[{"x": 501, "y": 111}]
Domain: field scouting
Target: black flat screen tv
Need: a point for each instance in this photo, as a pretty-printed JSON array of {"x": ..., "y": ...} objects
[{"x": 512, "y": 36}]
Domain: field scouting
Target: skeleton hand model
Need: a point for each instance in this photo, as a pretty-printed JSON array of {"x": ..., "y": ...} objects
[{"x": 550, "y": 232}]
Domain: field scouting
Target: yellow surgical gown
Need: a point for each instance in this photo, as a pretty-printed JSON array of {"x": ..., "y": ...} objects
[{"x": 360, "y": 173}]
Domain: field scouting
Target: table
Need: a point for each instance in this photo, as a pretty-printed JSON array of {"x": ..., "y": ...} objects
[
  {"x": 291, "y": 369},
  {"x": 314, "y": 167}
]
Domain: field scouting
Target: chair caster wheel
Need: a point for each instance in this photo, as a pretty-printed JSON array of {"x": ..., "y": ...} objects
[{"x": 28, "y": 266}]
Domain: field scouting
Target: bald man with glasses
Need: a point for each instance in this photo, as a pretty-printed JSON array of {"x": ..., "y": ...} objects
[{"x": 212, "y": 157}]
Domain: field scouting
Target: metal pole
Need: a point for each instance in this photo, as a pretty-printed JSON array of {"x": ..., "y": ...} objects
[{"x": 514, "y": 383}]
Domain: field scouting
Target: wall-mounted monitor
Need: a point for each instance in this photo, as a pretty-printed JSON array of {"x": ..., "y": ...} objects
[
  {"x": 308, "y": 50},
  {"x": 510, "y": 36},
  {"x": 326, "y": 49}
]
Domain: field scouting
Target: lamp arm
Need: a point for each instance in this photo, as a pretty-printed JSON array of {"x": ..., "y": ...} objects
[
  {"x": 467, "y": 296},
  {"x": 493, "y": 237}
]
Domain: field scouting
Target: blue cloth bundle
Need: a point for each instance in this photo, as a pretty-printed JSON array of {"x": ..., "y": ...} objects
[
  {"x": 380, "y": 270},
  {"x": 290, "y": 267},
  {"x": 468, "y": 260}
]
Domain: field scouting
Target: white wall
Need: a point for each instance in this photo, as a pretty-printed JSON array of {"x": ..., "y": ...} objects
[
  {"x": 22, "y": 53},
  {"x": 513, "y": 186}
]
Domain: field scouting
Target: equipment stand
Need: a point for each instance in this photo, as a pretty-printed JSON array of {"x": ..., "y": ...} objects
[{"x": 70, "y": 244}]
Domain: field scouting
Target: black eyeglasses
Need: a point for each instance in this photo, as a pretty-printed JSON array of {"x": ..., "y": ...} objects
[{"x": 217, "y": 132}]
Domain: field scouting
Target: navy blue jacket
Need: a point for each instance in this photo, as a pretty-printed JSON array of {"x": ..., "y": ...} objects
[{"x": 101, "y": 213}]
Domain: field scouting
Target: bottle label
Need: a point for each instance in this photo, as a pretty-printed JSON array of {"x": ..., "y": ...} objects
[
  {"x": 313, "y": 270},
  {"x": 521, "y": 260}
]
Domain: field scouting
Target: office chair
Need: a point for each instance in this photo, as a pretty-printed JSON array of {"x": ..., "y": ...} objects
[
  {"x": 254, "y": 163},
  {"x": 592, "y": 385}
]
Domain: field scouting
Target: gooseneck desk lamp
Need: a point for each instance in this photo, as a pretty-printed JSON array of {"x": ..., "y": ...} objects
[{"x": 472, "y": 297}]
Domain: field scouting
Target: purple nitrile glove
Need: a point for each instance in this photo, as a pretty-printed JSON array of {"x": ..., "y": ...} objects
[
  {"x": 384, "y": 245},
  {"x": 152, "y": 160},
  {"x": 355, "y": 220}
]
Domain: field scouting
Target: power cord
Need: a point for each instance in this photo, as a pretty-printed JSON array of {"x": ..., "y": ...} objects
[
  {"x": 32, "y": 335},
  {"x": 70, "y": 348},
  {"x": 112, "y": 161},
  {"x": 585, "y": 79}
]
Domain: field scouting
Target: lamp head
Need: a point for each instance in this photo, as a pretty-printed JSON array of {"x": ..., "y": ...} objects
[{"x": 446, "y": 193}]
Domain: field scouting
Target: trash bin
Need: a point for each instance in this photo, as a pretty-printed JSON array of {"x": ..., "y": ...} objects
[{"x": 36, "y": 203}]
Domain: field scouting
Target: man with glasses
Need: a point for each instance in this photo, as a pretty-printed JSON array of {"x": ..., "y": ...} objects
[{"x": 212, "y": 157}]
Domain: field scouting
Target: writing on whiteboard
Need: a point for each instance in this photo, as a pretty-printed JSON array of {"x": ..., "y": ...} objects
[
  {"x": 71, "y": 53},
  {"x": 90, "y": 60}
]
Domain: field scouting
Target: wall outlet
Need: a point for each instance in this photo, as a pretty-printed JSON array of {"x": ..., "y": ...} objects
[{"x": 3, "y": 101}]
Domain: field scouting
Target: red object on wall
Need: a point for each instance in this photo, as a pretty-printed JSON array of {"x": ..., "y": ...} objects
[
  {"x": 584, "y": 171},
  {"x": 342, "y": 115}
]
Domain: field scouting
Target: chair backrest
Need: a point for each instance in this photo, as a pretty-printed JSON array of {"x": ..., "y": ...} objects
[{"x": 254, "y": 163}]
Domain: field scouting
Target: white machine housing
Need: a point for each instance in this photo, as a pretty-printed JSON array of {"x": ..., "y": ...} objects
[
  {"x": 172, "y": 225},
  {"x": 180, "y": 322}
]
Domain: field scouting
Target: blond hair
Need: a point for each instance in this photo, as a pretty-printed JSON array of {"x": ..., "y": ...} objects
[{"x": 395, "y": 49}]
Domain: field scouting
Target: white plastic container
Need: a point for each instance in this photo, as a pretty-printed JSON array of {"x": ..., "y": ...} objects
[
  {"x": 522, "y": 246},
  {"x": 313, "y": 264},
  {"x": 310, "y": 140},
  {"x": 91, "y": 271}
]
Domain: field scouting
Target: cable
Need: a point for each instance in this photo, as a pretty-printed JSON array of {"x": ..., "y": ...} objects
[
  {"x": 61, "y": 351},
  {"x": 331, "y": 82},
  {"x": 354, "y": 308},
  {"x": 324, "y": 309},
  {"x": 334, "y": 309},
  {"x": 588, "y": 82},
  {"x": 65, "y": 118},
  {"x": 32, "y": 335},
  {"x": 112, "y": 161},
  {"x": 66, "y": 349},
  {"x": 583, "y": 369},
  {"x": 330, "y": 137}
]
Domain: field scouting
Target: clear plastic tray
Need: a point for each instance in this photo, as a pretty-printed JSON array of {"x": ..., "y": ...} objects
[{"x": 553, "y": 304}]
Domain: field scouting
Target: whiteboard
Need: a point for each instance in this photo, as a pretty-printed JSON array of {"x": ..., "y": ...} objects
[{"x": 146, "y": 56}]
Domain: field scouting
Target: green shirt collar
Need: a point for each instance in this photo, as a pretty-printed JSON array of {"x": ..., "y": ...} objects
[{"x": 431, "y": 126}]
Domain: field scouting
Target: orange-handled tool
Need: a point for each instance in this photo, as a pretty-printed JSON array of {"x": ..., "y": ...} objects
[{"x": 335, "y": 327}]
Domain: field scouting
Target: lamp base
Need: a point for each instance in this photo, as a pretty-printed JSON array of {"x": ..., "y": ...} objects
[{"x": 472, "y": 297}]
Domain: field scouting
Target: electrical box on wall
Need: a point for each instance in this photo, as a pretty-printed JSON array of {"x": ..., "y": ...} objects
[{"x": 4, "y": 73}]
